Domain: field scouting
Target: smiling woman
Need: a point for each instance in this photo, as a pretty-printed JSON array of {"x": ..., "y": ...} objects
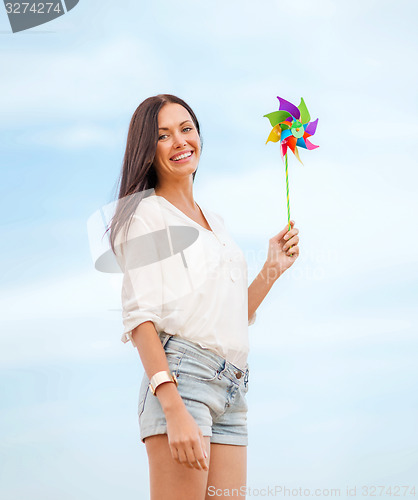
[{"x": 185, "y": 302}]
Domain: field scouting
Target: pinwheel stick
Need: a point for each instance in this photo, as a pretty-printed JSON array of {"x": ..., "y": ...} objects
[{"x": 287, "y": 190}]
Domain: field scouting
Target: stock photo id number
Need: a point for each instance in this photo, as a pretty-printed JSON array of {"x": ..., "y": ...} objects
[{"x": 25, "y": 15}]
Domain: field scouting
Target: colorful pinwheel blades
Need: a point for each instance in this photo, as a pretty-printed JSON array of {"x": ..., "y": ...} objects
[{"x": 291, "y": 126}]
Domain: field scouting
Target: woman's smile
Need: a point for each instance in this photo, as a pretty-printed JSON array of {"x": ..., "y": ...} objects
[{"x": 182, "y": 158}]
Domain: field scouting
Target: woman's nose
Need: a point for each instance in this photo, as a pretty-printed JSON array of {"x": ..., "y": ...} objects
[{"x": 178, "y": 140}]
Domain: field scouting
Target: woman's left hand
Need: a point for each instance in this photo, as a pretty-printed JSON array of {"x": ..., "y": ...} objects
[{"x": 280, "y": 256}]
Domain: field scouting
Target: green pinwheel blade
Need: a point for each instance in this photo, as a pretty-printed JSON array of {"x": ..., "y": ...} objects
[
  {"x": 304, "y": 113},
  {"x": 276, "y": 117}
]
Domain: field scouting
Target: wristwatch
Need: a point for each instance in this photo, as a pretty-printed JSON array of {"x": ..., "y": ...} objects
[{"x": 161, "y": 377}]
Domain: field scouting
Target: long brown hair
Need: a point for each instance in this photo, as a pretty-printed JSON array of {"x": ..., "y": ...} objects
[{"x": 138, "y": 173}]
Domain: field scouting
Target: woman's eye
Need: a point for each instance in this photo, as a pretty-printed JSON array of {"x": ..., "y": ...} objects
[{"x": 185, "y": 128}]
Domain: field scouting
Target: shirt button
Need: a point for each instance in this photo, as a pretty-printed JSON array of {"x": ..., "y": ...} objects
[{"x": 238, "y": 374}]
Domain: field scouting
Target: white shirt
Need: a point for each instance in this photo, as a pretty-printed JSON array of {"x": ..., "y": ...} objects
[{"x": 187, "y": 280}]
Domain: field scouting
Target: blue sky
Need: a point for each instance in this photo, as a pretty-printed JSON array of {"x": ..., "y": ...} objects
[{"x": 333, "y": 400}]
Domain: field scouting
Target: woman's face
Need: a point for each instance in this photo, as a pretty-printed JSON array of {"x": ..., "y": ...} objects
[{"x": 177, "y": 135}]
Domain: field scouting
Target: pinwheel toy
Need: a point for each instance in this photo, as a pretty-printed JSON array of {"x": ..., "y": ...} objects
[{"x": 291, "y": 126}]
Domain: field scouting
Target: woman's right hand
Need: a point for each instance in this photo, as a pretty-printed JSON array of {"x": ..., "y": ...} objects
[{"x": 185, "y": 439}]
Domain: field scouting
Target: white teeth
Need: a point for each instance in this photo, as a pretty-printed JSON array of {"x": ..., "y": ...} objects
[{"x": 186, "y": 155}]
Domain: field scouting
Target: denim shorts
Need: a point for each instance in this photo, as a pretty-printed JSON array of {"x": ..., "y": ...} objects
[{"x": 212, "y": 389}]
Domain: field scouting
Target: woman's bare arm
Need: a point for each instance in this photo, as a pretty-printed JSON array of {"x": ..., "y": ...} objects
[
  {"x": 279, "y": 258},
  {"x": 185, "y": 438},
  {"x": 259, "y": 288},
  {"x": 154, "y": 360}
]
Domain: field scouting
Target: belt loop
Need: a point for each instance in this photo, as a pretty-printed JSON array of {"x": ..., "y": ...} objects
[{"x": 165, "y": 338}]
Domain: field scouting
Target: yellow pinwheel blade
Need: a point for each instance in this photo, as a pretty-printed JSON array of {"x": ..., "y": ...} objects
[{"x": 275, "y": 134}]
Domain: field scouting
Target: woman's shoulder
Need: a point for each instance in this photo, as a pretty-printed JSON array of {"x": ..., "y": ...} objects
[
  {"x": 149, "y": 211},
  {"x": 146, "y": 217}
]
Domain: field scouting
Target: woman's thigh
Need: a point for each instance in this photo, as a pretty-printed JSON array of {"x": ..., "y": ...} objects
[
  {"x": 169, "y": 479},
  {"x": 227, "y": 471},
  {"x": 227, "y": 475}
]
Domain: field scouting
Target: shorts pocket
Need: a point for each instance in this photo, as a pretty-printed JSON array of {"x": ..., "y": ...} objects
[
  {"x": 172, "y": 352},
  {"x": 172, "y": 349},
  {"x": 197, "y": 369},
  {"x": 173, "y": 360}
]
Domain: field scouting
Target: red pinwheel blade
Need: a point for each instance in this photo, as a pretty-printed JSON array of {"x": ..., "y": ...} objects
[
  {"x": 283, "y": 148},
  {"x": 291, "y": 142}
]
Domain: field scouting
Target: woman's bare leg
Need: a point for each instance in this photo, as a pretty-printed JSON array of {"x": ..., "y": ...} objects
[
  {"x": 227, "y": 471},
  {"x": 170, "y": 480}
]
